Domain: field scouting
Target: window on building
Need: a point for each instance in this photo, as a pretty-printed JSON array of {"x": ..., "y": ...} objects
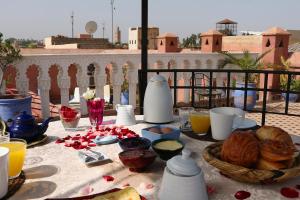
[
  {"x": 280, "y": 44},
  {"x": 268, "y": 43},
  {"x": 161, "y": 43},
  {"x": 172, "y": 43},
  {"x": 206, "y": 42},
  {"x": 217, "y": 42}
]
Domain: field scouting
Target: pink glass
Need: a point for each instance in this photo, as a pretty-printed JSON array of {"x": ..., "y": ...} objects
[{"x": 95, "y": 110}]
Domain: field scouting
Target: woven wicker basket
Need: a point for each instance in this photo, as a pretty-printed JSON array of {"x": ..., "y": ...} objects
[{"x": 212, "y": 155}]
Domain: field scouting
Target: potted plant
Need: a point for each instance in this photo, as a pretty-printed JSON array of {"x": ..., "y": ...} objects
[
  {"x": 124, "y": 88},
  {"x": 246, "y": 62},
  {"x": 10, "y": 105},
  {"x": 294, "y": 85}
]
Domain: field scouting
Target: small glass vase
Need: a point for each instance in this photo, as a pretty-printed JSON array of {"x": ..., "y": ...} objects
[{"x": 95, "y": 110}]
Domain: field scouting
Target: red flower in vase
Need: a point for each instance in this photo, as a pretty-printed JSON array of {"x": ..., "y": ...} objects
[
  {"x": 68, "y": 114},
  {"x": 95, "y": 110}
]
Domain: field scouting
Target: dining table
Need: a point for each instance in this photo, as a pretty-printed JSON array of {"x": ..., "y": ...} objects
[{"x": 55, "y": 171}]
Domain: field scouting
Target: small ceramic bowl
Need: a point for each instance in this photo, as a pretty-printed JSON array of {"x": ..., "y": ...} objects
[
  {"x": 134, "y": 143},
  {"x": 166, "y": 154},
  {"x": 161, "y": 132},
  {"x": 137, "y": 160}
]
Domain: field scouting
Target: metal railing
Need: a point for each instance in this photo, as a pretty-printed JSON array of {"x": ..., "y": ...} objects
[{"x": 210, "y": 87}]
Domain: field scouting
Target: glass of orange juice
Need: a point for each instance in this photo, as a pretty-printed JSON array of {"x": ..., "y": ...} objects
[
  {"x": 16, "y": 157},
  {"x": 200, "y": 122}
]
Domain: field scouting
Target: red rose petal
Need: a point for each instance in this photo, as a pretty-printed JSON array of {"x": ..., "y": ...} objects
[
  {"x": 210, "y": 189},
  {"x": 108, "y": 178},
  {"x": 149, "y": 186},
  {"x": 242, "y": 195},
  {"x": 298, "y": 187},
  {"x": 126, "y": 185},
  {"x": 289, "y": 192},
  {"x": 59, "y": 141},
  {"x": 92, "y": 145}
]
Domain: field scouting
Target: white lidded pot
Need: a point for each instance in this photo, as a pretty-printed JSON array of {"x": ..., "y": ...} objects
[
  {"x": 183, "y": 179},
  {"x": 125, "y": 115},
  {"x": 158, "y": 101}
]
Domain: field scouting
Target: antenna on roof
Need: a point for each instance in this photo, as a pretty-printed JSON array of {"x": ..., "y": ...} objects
[
  {"x": 103, "y": 29},
  {"x": 72, "y": 22}
]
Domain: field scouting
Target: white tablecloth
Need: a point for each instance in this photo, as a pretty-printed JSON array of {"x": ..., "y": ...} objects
[{"x": 53, "y": 170}]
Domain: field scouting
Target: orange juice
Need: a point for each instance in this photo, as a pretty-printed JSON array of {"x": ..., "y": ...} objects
[
  {"x": 200, "y": 122},
  {"x": 17, "y": 150}
]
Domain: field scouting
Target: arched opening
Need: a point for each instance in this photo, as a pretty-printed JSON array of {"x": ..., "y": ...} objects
[
  {"x": 172, "y": 43},
  {"x": 280, "y": 44},
  {"x": 206, "y": 42},
  {"x": 161, "y": 43},
  {"x": 268, "y": 44},
  {"x": 32, "y": 75},
  {"x": 10, "y": 77}
]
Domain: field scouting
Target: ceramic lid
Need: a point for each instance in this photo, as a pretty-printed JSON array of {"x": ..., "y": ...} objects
[
  {"x": 158, "y": 78},
  {"x": 183, "y": 165},
  {"x": 24, "y": 117}
]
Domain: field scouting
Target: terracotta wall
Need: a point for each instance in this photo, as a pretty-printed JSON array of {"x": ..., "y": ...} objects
[{"x": 253, "y": 43}]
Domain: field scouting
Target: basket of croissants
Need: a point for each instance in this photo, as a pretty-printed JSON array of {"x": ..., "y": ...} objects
[{"x": 267, "y": 155}]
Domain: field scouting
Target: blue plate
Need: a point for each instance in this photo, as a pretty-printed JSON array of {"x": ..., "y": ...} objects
[{"x": 105, "y": 139}]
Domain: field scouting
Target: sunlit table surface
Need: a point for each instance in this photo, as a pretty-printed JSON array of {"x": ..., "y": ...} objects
[{"x": 53, "y": 170}]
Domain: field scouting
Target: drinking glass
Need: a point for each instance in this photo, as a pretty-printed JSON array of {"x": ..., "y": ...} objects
[
  {"x": 17, "y": 151},
  {"x": 95, "y": 110},
  {"x": 200, "y": 121},
  {"x": 4, "y": 138},
  {"x": 184, "y": 113}
]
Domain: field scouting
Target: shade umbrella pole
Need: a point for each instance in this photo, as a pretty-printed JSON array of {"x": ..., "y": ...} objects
[{"x": 144, "y": 54}]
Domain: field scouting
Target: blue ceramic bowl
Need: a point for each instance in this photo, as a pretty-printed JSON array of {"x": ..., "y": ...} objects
[
  {"x": 135, "y": 143},
  {"x": 152, "y": 136}
]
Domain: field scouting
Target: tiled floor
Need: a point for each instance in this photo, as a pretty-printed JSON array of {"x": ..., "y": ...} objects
[{"x": 290, "y": 124}]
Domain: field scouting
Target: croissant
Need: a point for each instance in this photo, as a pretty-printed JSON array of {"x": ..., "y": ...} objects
[
  {"x": 274, "y": 151},
  {"x": 241, "y": 148},
  {"x": 274, "y": 133},
  {"x": 268, "y": 165}
]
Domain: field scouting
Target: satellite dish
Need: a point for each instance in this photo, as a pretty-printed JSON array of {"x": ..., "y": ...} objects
[{"x": 91, "y": 27}]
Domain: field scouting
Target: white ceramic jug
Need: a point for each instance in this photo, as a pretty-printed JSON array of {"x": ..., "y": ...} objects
[
  {"x": 125, "y": 115},
  {"x": 182, "y": 179},
  {"x": 3, "y": 171}
]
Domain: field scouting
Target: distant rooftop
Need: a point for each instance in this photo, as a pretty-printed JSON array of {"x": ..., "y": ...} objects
[
  {"x": 276, "y": 30},
  {"x": 211, "y": 32},
  {"x": 226, "y": 21},
  {"x": 164, "y": 35},
  {"x": 294, "y": 47}
]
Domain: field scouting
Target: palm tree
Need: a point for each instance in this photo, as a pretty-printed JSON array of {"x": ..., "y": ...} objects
[{"x": 246, "y": 62}]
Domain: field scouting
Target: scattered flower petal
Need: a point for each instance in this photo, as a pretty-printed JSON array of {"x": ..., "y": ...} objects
[
  {"x": 149, "y": 186},
  {"x": 86, "y": 190},
  {"x": 210, "y": 189},
  {"x": 289, "y": 192},
  {"x": 108, "y": 178},
  {"x": 126, "y": 185},
  {"x": 298, "y": 187},
  {"x": 242, "y": 195}
]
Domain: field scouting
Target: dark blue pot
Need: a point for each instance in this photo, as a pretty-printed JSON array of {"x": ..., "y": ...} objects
[
  {"x": 239, "y": 96},
  {"x": 11, "y": 108},
  {"x": 125, "y": 98},
  {"x": 292, "y": 97}
]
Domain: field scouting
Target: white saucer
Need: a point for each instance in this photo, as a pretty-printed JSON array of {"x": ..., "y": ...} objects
[{"x": 247, "y": 123}]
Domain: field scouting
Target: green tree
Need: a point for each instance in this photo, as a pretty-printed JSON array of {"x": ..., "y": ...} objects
[
  {"x": 246, "y": 62},
  {"x": 8, "y": 55}
]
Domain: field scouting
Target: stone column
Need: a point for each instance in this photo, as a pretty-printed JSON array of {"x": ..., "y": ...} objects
[
  {"x": 187, "y": 92},
  {"x": 22, "y": 83},
  {"x": 133, "y": 81},
  {"x": 83, "y": 83},
  {"x": 64, "y": 85},
  {"x": 117, "y": 82},
  {"x": 44, "y": 84},
  {"x": 100, "y": 81}
]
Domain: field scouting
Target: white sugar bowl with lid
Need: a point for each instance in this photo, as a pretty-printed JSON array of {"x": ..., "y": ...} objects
[{"x": 183, "y": 179}]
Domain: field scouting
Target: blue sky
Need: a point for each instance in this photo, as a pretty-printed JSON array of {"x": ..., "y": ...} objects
[{"x": 41, "y": 18}]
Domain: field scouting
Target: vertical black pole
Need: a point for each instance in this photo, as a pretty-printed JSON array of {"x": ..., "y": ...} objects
[{"x": 144, "y": 57}]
